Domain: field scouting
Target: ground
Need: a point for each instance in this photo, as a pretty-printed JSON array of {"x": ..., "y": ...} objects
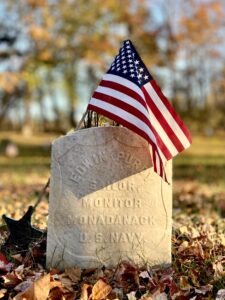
[{"x": 198, "y": 270}]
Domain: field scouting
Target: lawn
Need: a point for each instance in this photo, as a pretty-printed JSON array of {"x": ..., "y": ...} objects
[{"x": 204, "y": 161}]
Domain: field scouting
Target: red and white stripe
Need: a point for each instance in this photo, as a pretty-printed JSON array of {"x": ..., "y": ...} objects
[{"x": 146, "y": 112}]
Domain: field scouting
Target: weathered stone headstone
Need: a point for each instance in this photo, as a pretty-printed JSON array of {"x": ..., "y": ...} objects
[{"x": 106, "y": 203}]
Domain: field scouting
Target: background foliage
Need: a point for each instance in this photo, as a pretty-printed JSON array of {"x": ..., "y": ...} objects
[{"x": 53, "y": 53}]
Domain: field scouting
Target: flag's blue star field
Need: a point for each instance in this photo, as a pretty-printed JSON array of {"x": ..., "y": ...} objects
[{"x": 129, "y": 65}]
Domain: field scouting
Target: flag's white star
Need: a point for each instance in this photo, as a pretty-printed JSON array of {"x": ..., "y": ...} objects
[
  {"x": 127, "y": 42},
  {"x": 132, "y": 75},
  {"x": 130, "y": 60},
  {"x": 125, "y": 71},
  {"x": 113, "y": 68},
  {"x": 128, "y": 51},
  {"x": 131, "y": 70},
  {"x": 129, "y": 56},
  {"x": 136, "y": 62},
  {"x": 146, "y": 77},
  {"x": 118, "y": 69},
  {"x": 124, "y": 67},
  {"x": 139, "y": 75},
  {"x": 131, "y": 65},
  {"x": 139, "y": 81},
  {"x": 123, "y": 57},
  {"x": 141, "y": 69},
  {"x": 123, "y": 62}
]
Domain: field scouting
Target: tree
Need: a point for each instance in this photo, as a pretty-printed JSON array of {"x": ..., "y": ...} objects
[
  {"x": 11, "y": 58},
  {"x": 64, "y": 34}
]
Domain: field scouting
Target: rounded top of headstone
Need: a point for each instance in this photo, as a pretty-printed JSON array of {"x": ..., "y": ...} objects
[
  {"x": 122, "y": 134},
  {"x": 95, "y": 136}
]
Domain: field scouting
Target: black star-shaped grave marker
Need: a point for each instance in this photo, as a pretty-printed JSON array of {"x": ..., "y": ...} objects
[{"x": 22, "y": 233}]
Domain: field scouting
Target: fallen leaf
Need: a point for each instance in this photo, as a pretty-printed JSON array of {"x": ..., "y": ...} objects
[
  {"x": 2, "y": 293},
  {"x": 3, "y": 259},
  {"x": 55, "y": 283},
  {"x": 85, "y": 291},
  {"x": 220, "y": 295},
  {"x": 218, "y": 269},
  {"x": 126, "y": 275},
  {"x": 74, "y": 274},
  {"x": 183, "y": 246},
  {"x": 159, "y": 296},
  {"x": 39, "y": 290},
  {"x": 101, "y": 290},
  {"x": 199, "y": 250},
  {"x": 184, "y": 284},
  {"x": 131, "y": 296},
  {"x": 203, "y": 290},
  {"x": 222, "y": 239},
  {"x": 11, "y": 279},
  {"x": 209, "y": 243},
  {"x": 116, "y": 294},
  {"x": 21, "y": 287},
  {"x": 67, "y": 282},
  {"x": 144, "y": 275},
  {"x": 146, "y": 296},
  {"x": 17, "y": 257},
  {"x": 5, "y": 265},
  {"x": 194, "y": 232},
  {"x": 184, "y": 230}
]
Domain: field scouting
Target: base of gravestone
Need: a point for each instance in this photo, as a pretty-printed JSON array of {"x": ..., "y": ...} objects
[{"x": 106, "y": 202}]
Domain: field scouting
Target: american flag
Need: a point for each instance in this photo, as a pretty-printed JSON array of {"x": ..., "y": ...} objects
[{"x": 129, "y": 95}]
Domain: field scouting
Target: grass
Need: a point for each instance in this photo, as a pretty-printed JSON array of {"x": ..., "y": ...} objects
[{"x": 203, "y": 161}]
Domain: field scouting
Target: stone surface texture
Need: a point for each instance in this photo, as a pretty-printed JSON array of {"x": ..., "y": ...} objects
[{"x": 106, "y": 202}]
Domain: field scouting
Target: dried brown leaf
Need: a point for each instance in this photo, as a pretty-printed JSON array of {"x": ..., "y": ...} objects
[
  {"x": 146, "y": 296},
  {"x": 67, "y": 282},
  {"x": 101, "y": 290},
  {"x": 74, "y": 274},
  {"x": 2, "y": 293},
  {"x": 85, "y": 291},
  {"x": 183, "y": 246},
  {"x": 131, "y": 296},
  {"x": 222, "y": 239},
  {"x": 55, "y": 283},
  {"x": 144, "y": 274},
  {"x": 55, "y": 293},
  {"x": 159, "y": 296},
  {"x": 11, "y": 280},
  {"x": 220, "y": 294},
  {"x": 17, "y": 257},
  {"x": 23, "y": 285},
  {"x": 127, "y": 274},
  {"x": 39, "y": 290},
  {"x": 184, "y": 284},
  {"x": 218, "y": 269}
]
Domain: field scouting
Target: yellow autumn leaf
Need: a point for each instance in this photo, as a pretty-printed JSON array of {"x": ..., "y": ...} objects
[
  {"x": 101, "y": 290},
  {"x": 39, "y": 290}
]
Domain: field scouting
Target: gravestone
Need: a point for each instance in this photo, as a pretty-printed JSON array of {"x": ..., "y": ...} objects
[{"x": 106, "y": 202}]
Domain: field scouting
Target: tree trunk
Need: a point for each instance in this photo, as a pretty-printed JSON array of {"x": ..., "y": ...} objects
[
  {"x": 27, "y": 125},
  {"x": 71, "y": 94}
]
